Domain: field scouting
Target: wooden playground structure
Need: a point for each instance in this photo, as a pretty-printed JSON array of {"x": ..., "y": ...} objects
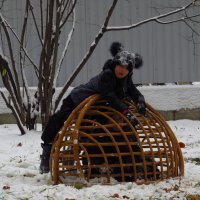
[{"x": 98, "y": 141}]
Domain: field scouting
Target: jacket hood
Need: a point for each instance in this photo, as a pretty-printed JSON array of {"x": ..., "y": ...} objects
[{"x": 109, "y": 64}]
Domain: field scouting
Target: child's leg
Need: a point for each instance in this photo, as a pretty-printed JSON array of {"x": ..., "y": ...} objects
[
  {"x": 57, "y": 120},
  {"x": 55, "y": 123}
]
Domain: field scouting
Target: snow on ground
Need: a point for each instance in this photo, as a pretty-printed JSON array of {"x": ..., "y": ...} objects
[{"x": 20, "y": 179}]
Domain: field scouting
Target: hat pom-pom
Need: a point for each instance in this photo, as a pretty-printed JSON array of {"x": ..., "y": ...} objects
[
  {"x": 138, "y": 61},
  {"x": 116, "y": 47}
]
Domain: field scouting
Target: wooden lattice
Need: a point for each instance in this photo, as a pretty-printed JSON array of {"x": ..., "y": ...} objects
[{"x": 98, "y": 141}]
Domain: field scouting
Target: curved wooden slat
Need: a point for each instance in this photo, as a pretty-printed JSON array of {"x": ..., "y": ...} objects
[{"x": 98, "y": 141}]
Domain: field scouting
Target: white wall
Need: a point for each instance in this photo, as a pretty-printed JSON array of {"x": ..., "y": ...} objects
[{"x": 164, "y": 98}]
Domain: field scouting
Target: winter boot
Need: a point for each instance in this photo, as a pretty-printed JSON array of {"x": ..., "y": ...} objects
[{"x": 44, "y": 165}]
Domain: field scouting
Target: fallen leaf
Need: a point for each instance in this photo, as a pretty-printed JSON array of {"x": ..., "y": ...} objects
[
  {"x": 125, "y": 197},
  {"x": 115, "y": 196},
  {"x": 19, "y": 144},
  {"x": 6, "y": 187}
]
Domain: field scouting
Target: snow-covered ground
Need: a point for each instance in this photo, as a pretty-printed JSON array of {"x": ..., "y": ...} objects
[{"x": 20, "y": 179}]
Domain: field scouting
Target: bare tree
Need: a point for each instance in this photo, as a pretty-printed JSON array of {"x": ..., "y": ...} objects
[{"x": 53, "y": 18}]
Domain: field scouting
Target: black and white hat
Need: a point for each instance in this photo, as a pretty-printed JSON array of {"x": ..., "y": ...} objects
[{"x": 125, "y": 58}]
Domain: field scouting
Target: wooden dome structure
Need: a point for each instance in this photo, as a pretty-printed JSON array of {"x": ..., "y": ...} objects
[{"x": 98, "y": 141}]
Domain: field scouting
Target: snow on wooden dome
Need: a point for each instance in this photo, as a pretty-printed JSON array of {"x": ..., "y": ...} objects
[{"x": 98, "y": 141}]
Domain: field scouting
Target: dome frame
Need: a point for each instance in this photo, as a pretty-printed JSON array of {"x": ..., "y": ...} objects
[{"x": 98, "y": 141}]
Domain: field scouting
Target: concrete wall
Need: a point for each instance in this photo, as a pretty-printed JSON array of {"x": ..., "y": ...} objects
[{"x": 173, "y": 102}]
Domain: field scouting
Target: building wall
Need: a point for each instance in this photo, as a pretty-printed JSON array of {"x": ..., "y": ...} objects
[
  {"x": 168, "y": 51},
  {"x": 172, "y": 101}
]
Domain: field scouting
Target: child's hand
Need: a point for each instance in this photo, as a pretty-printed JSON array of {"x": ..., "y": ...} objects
[
  {"x": 141, "y": 108},
  {"x": 132, "y": 119}
]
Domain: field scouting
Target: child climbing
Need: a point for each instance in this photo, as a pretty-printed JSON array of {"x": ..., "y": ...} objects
[{"x": 114, "y": 83}]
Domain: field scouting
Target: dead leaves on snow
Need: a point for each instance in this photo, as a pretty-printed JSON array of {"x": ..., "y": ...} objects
[
  {"x": 6, "y": 187},
  {"x": 117, "y": 196}
]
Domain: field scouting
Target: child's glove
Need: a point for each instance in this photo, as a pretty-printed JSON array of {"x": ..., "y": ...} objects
[
  {"x": 141, "y": 108},
  {"x": 132, "y": 119}
]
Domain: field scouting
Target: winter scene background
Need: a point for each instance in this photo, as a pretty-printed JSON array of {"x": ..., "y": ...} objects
[
  {"x": 20, "y": 159},
  {"x": 45, "y": 50}
]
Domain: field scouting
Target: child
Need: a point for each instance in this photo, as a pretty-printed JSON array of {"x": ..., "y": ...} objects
[{"x": 113, "y": 84}]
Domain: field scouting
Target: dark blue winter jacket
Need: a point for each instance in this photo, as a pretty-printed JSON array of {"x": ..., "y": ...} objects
[{"x": 109, "y": 87}]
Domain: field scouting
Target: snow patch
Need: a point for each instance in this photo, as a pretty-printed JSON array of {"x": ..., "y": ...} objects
[{"x": 20, "y": 178}]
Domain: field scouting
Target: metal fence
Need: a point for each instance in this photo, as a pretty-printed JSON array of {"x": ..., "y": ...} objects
[{"x": 169, "y": 53}]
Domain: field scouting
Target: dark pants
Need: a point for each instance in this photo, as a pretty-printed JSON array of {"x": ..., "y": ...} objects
[{"x": 57, "y": 120}]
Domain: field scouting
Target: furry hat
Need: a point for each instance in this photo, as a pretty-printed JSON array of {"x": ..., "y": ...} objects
[{"x": 125, "y": 58}]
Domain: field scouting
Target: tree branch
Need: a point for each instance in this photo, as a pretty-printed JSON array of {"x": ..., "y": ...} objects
[
  {"x": 69, "y": 37},
  {"x": 194, "y": 31},
  {"x": 9, "y": 84},
  {"x": 10, "y": 73},
  {"x": 88, "y": 54},
  {"x": 36, "y": 26},
  {"x": 6, "y": 23},
  {"x": 42, "y": 22},
  {"x": 21, "y": 57},
  {"x": 21, "y": 127},
  {"x": 70, "y": 12},
  {"x": 155, "y": 18}
]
